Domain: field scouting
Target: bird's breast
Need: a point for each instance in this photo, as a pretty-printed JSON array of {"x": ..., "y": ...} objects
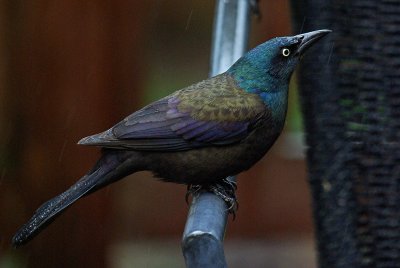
[{"x": 209, "y": 164}]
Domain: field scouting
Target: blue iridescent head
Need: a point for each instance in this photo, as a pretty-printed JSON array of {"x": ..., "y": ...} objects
[{"x": 268, "y": 67}]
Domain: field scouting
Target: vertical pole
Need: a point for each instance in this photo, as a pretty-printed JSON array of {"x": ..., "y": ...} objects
[
  {"x": 230, "y": 35},
  {"x": 205, "y": 227}
]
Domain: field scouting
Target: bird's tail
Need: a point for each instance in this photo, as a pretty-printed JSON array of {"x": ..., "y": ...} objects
[{"x": 112, "y": 166}]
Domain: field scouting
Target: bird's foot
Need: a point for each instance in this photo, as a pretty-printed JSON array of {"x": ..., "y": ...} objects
[
  {"x": 192, "y": 190},
  {"x": 225, "y": 189}
]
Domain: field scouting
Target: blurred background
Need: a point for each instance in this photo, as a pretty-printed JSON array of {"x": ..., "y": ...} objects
[{"x": 73, "y": 68}]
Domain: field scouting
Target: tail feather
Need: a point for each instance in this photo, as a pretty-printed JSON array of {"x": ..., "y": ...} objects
[{"x": 109, "y": 168}]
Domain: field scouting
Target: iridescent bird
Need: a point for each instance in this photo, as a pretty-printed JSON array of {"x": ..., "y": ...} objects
[{"x": 198, "y": 135}]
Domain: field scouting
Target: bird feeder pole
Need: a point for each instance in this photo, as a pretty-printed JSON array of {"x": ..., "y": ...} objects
[{"x": 205, "y": 227}]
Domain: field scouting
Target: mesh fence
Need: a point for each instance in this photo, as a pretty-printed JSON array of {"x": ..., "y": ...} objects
[{"x": 351, "y": 103}]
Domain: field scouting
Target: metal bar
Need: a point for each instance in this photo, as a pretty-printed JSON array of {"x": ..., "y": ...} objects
[
  {"x": 205, "y": 227},
  {"x": 230, "y": 36}
]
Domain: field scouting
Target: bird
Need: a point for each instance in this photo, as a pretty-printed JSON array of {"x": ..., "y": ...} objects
[{"x": 198, "y": 135}]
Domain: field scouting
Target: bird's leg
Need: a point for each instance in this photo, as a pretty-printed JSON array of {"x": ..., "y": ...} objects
[
  {"x": 225, "y": 189},
  {"x": 192, "y": 189}
]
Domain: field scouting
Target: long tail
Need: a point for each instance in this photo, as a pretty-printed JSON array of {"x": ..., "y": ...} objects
[{"x": 112, "y": 166}]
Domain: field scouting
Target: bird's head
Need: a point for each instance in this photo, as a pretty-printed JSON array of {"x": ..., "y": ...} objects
[{"x": 272, "y": 63}]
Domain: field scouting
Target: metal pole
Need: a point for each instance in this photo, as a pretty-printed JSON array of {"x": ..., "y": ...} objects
[
  {"x": 205, "y": 227},
  {"x": 230, "y": 35}
]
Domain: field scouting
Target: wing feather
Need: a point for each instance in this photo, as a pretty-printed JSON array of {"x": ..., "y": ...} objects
[{"x": 212, "y": 112}]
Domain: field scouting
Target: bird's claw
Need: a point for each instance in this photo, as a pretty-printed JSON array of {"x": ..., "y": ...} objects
[
  {"x": 225, "y": 189},
  {"x": 192, "y": 189}
]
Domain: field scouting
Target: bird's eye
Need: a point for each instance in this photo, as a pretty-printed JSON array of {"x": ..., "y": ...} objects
[{"x": 285, "y": 52}]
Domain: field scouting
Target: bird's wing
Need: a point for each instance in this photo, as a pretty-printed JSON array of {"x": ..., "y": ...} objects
[{"x": 212, "y": 112}]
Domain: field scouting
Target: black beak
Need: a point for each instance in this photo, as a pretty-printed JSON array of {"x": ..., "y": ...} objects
[{"x": 310, "y": 38}]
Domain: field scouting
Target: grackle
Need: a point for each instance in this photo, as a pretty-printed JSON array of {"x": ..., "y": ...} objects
[{"x": 198, "y": 135}]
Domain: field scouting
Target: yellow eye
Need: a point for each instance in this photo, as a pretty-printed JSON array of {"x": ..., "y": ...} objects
[{"x": 285, "y": 52}]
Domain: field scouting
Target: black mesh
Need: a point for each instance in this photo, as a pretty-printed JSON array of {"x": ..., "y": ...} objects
[{"x": 350, "y": 91}]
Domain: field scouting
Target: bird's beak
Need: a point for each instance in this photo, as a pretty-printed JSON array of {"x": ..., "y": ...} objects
[{"x": 310, "y": 38}]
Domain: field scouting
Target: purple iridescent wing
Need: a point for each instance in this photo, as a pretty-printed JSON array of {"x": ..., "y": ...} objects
[{"x": 212, "y": 112}]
